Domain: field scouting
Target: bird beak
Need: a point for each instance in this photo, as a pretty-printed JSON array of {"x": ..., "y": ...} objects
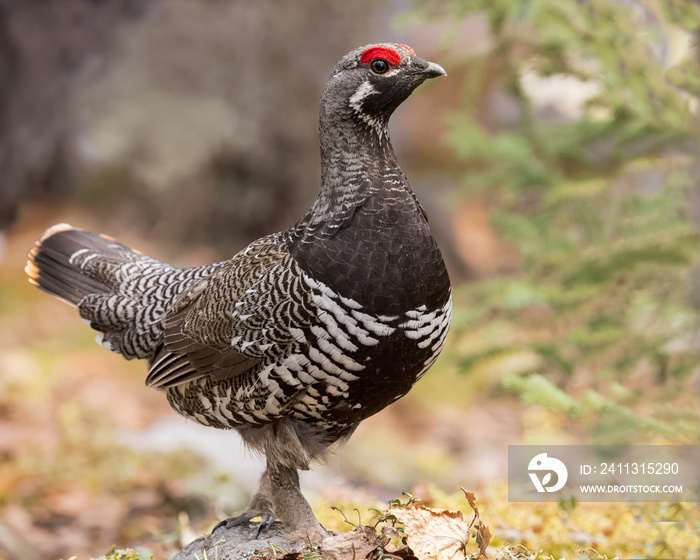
[{"x": 433, "y": 70}]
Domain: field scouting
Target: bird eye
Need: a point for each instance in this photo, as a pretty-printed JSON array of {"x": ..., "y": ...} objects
[{"x": 379, "y": 66}]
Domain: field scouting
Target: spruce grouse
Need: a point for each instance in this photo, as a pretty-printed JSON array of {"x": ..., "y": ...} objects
[{"x": 303, "y": 334}]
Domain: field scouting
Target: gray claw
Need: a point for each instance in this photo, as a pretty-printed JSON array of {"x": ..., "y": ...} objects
[
  {"x": 267, "y": 519},
  {"x": 244, "y": 518}
]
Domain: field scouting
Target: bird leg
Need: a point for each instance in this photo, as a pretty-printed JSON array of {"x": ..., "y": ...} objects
[
  {"x": 259, "y": 506},
  {"x": 290, "y": 506},
  {"x": 279, "y": 496}
]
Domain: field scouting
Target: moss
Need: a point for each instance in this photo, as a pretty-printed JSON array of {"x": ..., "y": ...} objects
[{"x": 123, "y": 554}]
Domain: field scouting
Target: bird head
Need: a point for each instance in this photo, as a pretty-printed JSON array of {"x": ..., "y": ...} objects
[{"x": 371, "y": 81}]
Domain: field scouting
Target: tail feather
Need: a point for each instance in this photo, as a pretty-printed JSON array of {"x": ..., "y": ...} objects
[
  {"x": 121, "y": 292},
  {"x": 50, "y": 266}
]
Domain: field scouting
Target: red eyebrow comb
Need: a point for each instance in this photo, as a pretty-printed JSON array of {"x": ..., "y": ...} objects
[{"x": 390, "y": 55}]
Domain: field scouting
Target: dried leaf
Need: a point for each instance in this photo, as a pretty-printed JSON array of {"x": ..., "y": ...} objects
[
  {"x": 483, "y": 533},
  {"x": 483, "y": 537},
  {"x": 471, "y": 498},
  {"x": 434, "y": 533},
  {"x": 404, "y": 552},
  {"x": 357, "y": 544},
  {"x": 389, "y": 532}
]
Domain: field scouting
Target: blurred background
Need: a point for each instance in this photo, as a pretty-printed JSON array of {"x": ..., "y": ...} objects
[{"x": 557, "y": 162}]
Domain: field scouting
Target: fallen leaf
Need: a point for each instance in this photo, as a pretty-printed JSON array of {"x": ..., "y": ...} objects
[
  {"x": 357, "y": 544},
  {"x": 483, "y": 537},
  {"x": 389, "y": 532},
  {"x": 483, "y": 533},
  {"x": 433, "y": 533}
]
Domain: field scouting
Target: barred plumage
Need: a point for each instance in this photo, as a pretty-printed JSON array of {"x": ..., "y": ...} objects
[{"x": 303, "y": 334}]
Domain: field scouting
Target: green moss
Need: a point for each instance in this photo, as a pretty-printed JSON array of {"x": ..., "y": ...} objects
[{"x": 125, "y": 554}]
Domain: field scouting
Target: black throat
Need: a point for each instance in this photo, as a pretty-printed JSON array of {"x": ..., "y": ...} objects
[{"x": 366, "y": 237}]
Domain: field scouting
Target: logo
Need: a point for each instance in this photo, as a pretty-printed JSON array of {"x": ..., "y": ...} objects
[{"x": 542, "y": 463}]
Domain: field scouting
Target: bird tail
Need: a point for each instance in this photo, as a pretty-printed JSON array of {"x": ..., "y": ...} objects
[
  {"x": 121, "y": 292},
  {"x": 54, "y": 266}
]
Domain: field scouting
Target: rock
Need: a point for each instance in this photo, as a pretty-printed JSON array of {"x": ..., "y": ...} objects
[{"x": 237, "y": 543}]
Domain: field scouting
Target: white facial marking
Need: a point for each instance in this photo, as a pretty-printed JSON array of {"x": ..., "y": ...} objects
[
  {"x": 356, "y": 100},
  {"x": 363, "y": 92}
]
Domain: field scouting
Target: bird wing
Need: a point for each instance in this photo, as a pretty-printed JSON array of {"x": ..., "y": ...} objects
[{"x": 254, "y": 308}]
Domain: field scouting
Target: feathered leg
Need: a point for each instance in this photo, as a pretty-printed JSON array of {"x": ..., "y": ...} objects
[
  {"x": 279, "y": 496},
  {"x": 290, "y": 506},
  {"x": 259, "y": 506}
]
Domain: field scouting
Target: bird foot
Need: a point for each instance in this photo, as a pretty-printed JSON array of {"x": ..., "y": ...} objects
[{"x": 243, "y": 518}]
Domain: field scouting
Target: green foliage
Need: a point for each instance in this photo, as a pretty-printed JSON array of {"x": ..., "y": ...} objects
[{"x": 595, "y": 201}]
